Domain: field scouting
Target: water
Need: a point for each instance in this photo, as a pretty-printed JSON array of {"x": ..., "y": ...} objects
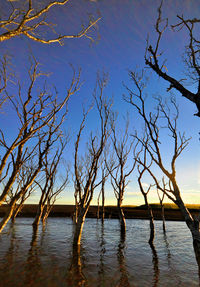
[{"x": 103, "y": 260}]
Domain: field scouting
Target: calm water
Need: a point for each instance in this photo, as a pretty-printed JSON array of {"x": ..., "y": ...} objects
[{"x": 103, "y": 259}]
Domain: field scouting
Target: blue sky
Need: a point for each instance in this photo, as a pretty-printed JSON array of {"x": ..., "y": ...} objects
[{"x": 122, "y": 31}]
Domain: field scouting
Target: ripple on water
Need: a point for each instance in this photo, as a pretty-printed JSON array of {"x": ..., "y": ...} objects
[{"x": 104, "y": 259}]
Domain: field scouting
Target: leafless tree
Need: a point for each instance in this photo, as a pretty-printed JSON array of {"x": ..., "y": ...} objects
[
  {"x": 119, "y": 167},
  {"x": 34, "y": 114},
  {"x": 25, "y": 172},
  {"x": 191, "y": 58},
  {"x": 30, "y": 19},
  {"x": 4, "y": 78},
  {"x": 45, "y": 141},
  {"x": 152, "y": 144},
  {"x": 86, "y": 169},
  {"x": 104, "y": 176},
  {"x": 49, "y": 191},
  {"x": 161, "y": 197},
  {"x": 143, "y": 163}
]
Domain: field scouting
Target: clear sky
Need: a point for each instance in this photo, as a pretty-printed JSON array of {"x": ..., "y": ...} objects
[{"x": 119, "y": 46}]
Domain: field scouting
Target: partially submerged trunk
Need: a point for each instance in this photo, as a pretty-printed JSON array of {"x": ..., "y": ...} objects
[
  {"x": 122, "y": 219},
  {"x": 192, "y": 223},
  {"x": 163, "y": 217},
  {"x": 103, "y": 206},
  {"x": 46, "y": 211},
  {"x": 38, "y": 215},
  {"x": 8, "y": 214},
  {"x": 11, "y": 209},
  {"x": 151, "y": 219},
  {"x": 152, "y": 227},
  {"x": 17, "y": 209},
  {"x": 79, "y": 225}
]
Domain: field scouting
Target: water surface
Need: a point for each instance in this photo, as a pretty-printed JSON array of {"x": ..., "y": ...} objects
[{"x": 103, "y": 259}]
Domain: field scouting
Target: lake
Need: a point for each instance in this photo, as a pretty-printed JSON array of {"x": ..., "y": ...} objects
[{"x": 103, "y": 259}]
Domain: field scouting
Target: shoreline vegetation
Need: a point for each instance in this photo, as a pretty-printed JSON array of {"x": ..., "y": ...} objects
[{"x": 131, "y": 212}]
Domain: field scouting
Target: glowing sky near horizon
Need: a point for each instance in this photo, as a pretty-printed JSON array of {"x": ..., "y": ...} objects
[{"x": 123, "y": 30}]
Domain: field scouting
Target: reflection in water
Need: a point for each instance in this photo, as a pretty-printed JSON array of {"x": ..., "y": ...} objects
[
  {"x": 75, "y": 276},
  {"x": 124, "y": 281},
  {"x": 101, "y": 272},
  {"x": 197, "y": 255},
  {"x": 155, "y": 265},
  {"x": 45, "y": 257},
  {"x": 33, "y": 267},
  {"x": 9, "y": 255}
]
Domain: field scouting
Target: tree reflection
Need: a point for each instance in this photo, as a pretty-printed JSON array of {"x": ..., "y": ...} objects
[
  {"x": 197, "y": 255},
  {"x": 155, "y": 265},
  {"x": 9, "y": 259},
  {"x": 102, "y": 280},
  {"x": 33, "y": 267},
  {"x": 75, "y": 276},
  {"x": 124, "y": 280}
]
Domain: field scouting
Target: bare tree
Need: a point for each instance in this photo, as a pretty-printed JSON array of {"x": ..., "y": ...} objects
[
  {"x": 27, "y": 18},
  {"x": 45, "y": 141},
  {"x": 120, "y": 169},
  {"x": 161, "y": 199},
  {"x": 34, "y": 113},
  {"x": 152, "y": 145},
  {"x": 104, "y": 175},
  {"x": 48, "y": 190},
  {"x": 144, "y": 164},
  {"x": 4, "y": 78},
  {"x": 191, "y": 58},
  {"x": 86, "y": 169},
  {"x": 25, "y": 172}
]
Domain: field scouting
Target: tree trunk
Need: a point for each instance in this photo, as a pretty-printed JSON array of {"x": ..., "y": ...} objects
[
  {"x": 151, "y": 219},
  {"x": 121, "y": 219},
  {"x": 192, "y": 223},
  {"x": 163, "y": 217},
  {"x": 18, "y": 208},
  {"x": 152, "y": 228},
  {"x": 38, "y": 215},
  {"x": 8, "y": 215},
  {"x": 98, "y": 209},
  {"x": 103, "y": 205},
  {"x": 79, "y": 226}
]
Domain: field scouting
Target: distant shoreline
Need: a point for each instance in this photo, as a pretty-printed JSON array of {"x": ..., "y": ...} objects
[{"x": 131, "y": 212}]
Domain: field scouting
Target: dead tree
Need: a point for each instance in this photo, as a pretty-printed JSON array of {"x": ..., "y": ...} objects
[
  {"x": 49, "y": 191},
  {"x": 4, "y": 78},
  {"x": 153, "y": 125},
  {"x": 25, "y": 172},
  {"x": 34, "y": 113},
  {"x": 45, "y": 141},
  {"x": 86, "y": 167},
  {"x": 161, "y": 197},
  {"x": 29, "y": 19},
  {"x": 104, "y": 175},
  {"x": 119, "y": 168},
  {"x": 143, "y": 163},
  {"x": 191, "y": 58}
]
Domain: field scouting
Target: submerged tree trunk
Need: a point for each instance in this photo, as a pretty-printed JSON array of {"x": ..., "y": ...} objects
[
  {"x": 38, "y": 216},
  {"x": 8, "y": 214},
  {"x": 17, "y": 209},
  {"x": 163, "y": 217},
  {"x": 121, "y": 218},
  {"x": 151, "y": 219},
  {"x": 103, "y": 205},
  {"x": 192, "y": 223},
  {"x": 79, "y": 225}
]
